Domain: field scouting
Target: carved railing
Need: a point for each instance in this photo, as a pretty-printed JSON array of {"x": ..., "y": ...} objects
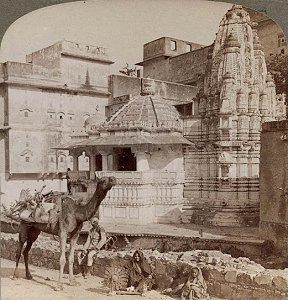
[
  {"x": 144, "y": 177},
  {"x": 144, "y": 188}
]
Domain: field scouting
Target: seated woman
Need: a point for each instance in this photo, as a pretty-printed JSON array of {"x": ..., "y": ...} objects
[
  {"x": 178, "y": 282},
  {"x": 195, "y": 287},
  {"x": 139, "y": 273}
]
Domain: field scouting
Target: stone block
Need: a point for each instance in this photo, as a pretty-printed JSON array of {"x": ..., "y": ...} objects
[
  {"x": 244, "y": 279},
  {"x": 216, "y": 275},
  {"x": 160, "y": 268},
  {"x": 263, "y": 294},
  {"x": 263, "y": 279},
  {"x": 231, "y": 276},
  {"x": 227, "y": 291},
  {"x": 214, "y": 289},
  {"x": 281, "y": 283}
]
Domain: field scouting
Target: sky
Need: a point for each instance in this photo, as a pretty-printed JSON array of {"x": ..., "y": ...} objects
[{"x": 122, "y": 26}]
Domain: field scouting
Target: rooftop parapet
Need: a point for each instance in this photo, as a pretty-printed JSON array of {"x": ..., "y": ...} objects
[
  {"x": 15, "y": 69},
  {"x": 86, "y": 51},
  {"x": 54, "y": 52}
]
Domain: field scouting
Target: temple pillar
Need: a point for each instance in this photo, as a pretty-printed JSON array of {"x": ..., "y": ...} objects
[
  {"x": 142, "y": 161},
  {"x": 92, "y": 165},
  {"x": 104, "y": 161},
  {"x": 107, "y": 158},
  {"x": 110, "y": 162},
  {"x": 75, "y": 156}
]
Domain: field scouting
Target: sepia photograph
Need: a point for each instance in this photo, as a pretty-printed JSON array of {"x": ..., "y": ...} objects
[{"x": 143, "y": 151}]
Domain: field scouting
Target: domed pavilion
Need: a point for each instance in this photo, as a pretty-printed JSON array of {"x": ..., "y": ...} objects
[{"x": 142, "y": 146}]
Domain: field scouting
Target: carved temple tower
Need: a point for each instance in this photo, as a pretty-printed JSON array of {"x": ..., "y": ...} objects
[{"x": 238, "y": 95}]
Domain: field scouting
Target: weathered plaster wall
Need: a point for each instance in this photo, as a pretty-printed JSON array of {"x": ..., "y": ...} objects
[
  {"x": 158, "y": 68},
  {"x": 16, "y": 69},
  {"x": 120, "y": 86},
  {"x": 46, "y": 62},
  {"x": 70, "y": 61},
  {"x": 166, "y": 160},
  {"x": 77, "y": 71},
  {"x": 189, "y": 67},
  {"x": 180, "y": 65},
  {"x": 274, "y": 183},
  {"x": 41, "y": 119}
]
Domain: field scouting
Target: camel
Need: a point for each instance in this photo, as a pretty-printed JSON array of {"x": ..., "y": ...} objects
[{"x": 69, "y": 222}]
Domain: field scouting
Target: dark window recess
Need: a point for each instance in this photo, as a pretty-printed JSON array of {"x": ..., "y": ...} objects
[
  {"x": 186, "y": 109},
  {"x": 173, "y": 45},
  {"x": 98, "y": 162},
  {"x": 126, "y": 161}
]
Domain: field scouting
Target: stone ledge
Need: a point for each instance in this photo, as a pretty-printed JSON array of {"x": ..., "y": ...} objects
[{"x": 226, "y": 277}]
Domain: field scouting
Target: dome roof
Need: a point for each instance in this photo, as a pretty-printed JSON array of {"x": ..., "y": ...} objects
[
  {"x": 147, "y": 112},
  {"x": 95, "y": 119}
]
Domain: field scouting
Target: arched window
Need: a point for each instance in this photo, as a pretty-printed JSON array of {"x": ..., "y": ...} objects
[
  {"x": 26, "y": 112},
  {"x": 61, "y": 117},
  {"x": 27, "y": 155}
]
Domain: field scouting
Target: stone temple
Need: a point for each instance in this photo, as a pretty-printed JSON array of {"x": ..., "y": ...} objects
[
  {"x": 237, "y": 96},
  {"x": 184, "y": 140}
]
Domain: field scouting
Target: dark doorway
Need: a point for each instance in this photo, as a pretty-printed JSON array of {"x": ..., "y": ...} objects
[
  {"x": 126, "y": 161},
  {"x": 98, "y": 162}
]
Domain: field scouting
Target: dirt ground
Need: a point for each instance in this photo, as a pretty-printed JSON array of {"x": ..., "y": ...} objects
[{"x": 41, "y": 287}]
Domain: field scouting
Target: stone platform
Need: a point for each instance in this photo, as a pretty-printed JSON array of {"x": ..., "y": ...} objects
[
  {"x": 184, "y": 237},
  {"x": 237, "y": 242}
]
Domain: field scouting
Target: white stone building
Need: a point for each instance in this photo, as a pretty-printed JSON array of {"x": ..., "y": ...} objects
[{"x": 142, "y": 146}]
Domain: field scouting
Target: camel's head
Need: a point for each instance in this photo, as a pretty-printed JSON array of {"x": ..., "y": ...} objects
[{"x": 106, "y": 183}]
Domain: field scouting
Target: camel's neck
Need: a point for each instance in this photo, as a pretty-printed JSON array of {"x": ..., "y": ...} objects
[{"x": 87, "y": 211}]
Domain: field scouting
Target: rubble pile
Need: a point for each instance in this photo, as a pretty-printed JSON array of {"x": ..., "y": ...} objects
[{"x": 226, "y": 277}]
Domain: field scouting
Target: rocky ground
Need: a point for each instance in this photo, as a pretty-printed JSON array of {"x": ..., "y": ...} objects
[{"x": 44, "y": 281}]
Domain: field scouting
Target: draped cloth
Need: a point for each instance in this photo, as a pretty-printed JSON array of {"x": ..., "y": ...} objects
[
  {"x": 139, "y": 273},
  {"x": 195, "y": 288}
]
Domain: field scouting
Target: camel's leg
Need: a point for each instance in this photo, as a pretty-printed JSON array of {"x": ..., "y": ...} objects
[
  {"x": 73, "y": 243},
  {"x": 63, "y": 241},
  {"x": 18, "y": 255},
  {"x": 32, "y": 237},
  {"x": 22, "y": 240}
]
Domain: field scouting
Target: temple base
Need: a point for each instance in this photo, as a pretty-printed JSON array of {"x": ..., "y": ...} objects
[{"x": 213, "y": 215}]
